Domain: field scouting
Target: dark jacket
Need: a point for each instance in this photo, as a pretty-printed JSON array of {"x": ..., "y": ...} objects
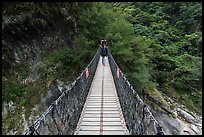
[{"x": 104, "y": 51}]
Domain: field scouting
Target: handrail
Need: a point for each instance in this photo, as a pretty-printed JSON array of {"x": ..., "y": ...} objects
[
  {"x": 139, "y": 119},
  {"x": 62, "y": 115}
]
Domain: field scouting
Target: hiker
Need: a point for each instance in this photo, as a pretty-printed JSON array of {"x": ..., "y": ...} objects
[{"x": 104, "y": 50}]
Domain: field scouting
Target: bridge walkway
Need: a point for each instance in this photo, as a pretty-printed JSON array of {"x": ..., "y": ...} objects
[{"x": 102, "y": 114}]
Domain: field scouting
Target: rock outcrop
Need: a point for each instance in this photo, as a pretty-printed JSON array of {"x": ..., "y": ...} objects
[{"x": 183, "y": 122}]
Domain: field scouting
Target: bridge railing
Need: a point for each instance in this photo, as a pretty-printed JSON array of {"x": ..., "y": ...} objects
[
  {"x": 139, "y": 120},
  {"x": 62, "y": 115}
]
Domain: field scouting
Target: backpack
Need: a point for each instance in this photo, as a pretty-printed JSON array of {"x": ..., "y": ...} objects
[{"x": 104, "y": 52}]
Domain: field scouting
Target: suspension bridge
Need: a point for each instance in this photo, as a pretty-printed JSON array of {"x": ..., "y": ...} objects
[{"x": 101, "y": 101}]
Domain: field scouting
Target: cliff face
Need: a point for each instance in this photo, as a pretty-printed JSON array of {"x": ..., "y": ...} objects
[
  {"x": 23, "y": 40},
  {"x": 30, "y": 32}
]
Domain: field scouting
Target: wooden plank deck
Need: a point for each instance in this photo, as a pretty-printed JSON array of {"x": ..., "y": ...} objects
[{"x": 102, "y": 114}]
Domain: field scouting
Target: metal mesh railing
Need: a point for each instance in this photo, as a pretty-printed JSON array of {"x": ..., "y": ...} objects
[
  {"x": 139, "y": 119},
  {"x": 62, "y": 115}
]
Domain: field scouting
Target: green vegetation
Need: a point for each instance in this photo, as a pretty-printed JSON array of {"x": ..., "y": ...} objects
[
  {"x": 12, "y": 90},
  {"x": 160, "y": 45},
  {"x": 65, "y": 65}
]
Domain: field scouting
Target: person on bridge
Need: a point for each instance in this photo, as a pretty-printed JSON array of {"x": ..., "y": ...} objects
[{"x": 104, "y": 50}]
